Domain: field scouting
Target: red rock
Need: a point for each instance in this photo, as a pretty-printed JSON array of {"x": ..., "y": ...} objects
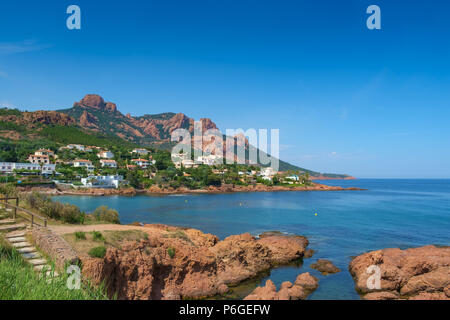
[
  {"x": 304, "y": 285},
  {"x": 325, "y": 267},
  {"x": 201, "y": 267},
  {"x": 417, "y": 273}
]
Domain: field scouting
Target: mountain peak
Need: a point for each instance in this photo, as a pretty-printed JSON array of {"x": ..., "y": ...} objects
[{"x": 96, "y": 102}]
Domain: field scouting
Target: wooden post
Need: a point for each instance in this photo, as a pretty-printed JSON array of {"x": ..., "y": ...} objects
[
  {"x": 32, "y": 220},
  {"x": 45, "y": 223},
  {"x": 15, "y": 209}
]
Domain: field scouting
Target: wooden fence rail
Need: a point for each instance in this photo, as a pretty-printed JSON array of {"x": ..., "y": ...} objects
[{"x": 24, "y": 213}]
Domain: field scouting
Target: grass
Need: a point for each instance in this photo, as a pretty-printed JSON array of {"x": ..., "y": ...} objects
[
  {"x": 97, "y": 236},
  {"x": 111, "y": 239},
  {"x": 171, "y": 252},
  {"x": 179, "y": 234},
  {"x": 18, "y": 281},
  {"x": 80, "y": 235},
  {"x": 98, "y": 252}
]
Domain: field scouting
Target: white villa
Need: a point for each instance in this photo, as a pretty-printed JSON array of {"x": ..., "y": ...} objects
[
  {"x": 140, "y": 151},
  {"x": 143, "y": 163},
  {"x": 210, "y": 159},
  {"x": 83, "y": 164},
  {"x": 105, "y": 154},
  {"x": 267, "y": 173},
  {"x": 33, "y": 158},
  {"x": 108, "y": 163},
  {"x": 44, "y": 152},
  {"x": 102, "y": 181},
  {"x": 293, "y": 178},
  {"x": 8, "y": 167},
  {"x": 79, "y": 147}
]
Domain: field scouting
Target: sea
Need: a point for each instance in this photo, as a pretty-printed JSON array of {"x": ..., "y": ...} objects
[{"x": 391, "y": 213}]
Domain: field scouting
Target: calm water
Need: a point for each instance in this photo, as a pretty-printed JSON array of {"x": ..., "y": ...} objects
[{"x": 392, "y": 213}]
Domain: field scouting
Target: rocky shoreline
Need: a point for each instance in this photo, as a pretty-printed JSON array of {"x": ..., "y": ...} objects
[
  {"x": 179, "y": 263},
  {"x": 154, "y": 190}
]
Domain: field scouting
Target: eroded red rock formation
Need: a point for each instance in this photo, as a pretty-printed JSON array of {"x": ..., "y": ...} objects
[
  {"x": 303, "y": 286},
  {"x": 200, "y": 265},
  {"x": 417, "y": 273}
]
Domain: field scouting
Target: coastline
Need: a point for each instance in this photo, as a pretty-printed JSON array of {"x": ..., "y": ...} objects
[{"x": 167, "y": 191}]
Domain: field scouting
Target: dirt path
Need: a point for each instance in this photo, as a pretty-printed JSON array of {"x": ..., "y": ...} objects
[{"x": 95, "y": 227}]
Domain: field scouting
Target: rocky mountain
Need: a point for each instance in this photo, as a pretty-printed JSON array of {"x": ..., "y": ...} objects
[
  {"x": 94, "y": 113},
  {"x": 98, "y": 118}
]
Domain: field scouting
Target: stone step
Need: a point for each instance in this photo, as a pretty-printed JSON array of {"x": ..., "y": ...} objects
[
  {"x": 7, "y": 221},
  {"x": 31, "y": 255},
  {"x": 37, "y": 262},
  {"x": 41, "y": 267},
  {"x": 21, "y": 244},
  {"x": 26, "y": 250},
  {"x": 17, "y": 239},
  {"x": 49, "y": 274},
  {"x": 12, "y": 227},
  {"x": 14, "y": 234}
]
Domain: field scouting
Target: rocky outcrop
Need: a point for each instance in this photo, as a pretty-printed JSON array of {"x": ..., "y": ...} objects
[
  {"x": 94, "y": 101},
  {"x": 417, "y": 273},
  {"x": 304, "y": 285},
  {"x": 325, "y": 267},
  {"x": 179, "y": 263},
  {"x": 87, "y": 120},
  {"x": 39, "y": 117}
]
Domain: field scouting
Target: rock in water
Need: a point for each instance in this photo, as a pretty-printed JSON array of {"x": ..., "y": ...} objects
[
  {"x": 303, "y": 286},
  {"x": 325, "y": 267}
]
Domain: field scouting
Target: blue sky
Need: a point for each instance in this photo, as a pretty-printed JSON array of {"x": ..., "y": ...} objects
[{"x": 371, "y": 103}]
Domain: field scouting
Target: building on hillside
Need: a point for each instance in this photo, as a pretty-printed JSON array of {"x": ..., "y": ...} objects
[
  {"x": 188, "y": 163},
  {"x": 91, "y": 148},
  {"x": 105, "y": 154},
  {"x": 143, "y": 163},
  {"x": 102, "y": 181},
  {"x": 294, "y": 177},
  {"x": 108, "y": 163},
  {"x": 78, "y": 147},
  {"x": 131, "y": 166},
  {"x": 267, "y": 173},
  {"x": 44, "y": 152},
  {"x": 9, "y": 167},
  {"x": 33, "y": 158},
  {"x": 210, "y": 159},
  {"x": 140, "y": 151},
  {"x": 81, "y": 163}
]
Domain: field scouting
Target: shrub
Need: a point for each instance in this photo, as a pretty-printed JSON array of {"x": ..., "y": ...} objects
[
  {"x": 8, "y": 189},
  {"x": 80, "y": 235},
  {"x": 72, "y": 214},
  {"x": 97, "y": 236},
  {"x": 98, "y": 252},
  {"x": 55, "y": 210},
  {"x": 103, "y": 213},
  {"x": 171, "y": 252}
]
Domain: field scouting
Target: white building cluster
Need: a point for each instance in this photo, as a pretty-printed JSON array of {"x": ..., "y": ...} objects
[{"x": 9, "y": 167}]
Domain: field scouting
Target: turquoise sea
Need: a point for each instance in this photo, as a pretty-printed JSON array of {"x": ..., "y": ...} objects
[{"x": 391, "y": 213}]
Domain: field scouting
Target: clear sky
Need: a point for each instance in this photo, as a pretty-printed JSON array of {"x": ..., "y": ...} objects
[{"x": 371, "y": 103}]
